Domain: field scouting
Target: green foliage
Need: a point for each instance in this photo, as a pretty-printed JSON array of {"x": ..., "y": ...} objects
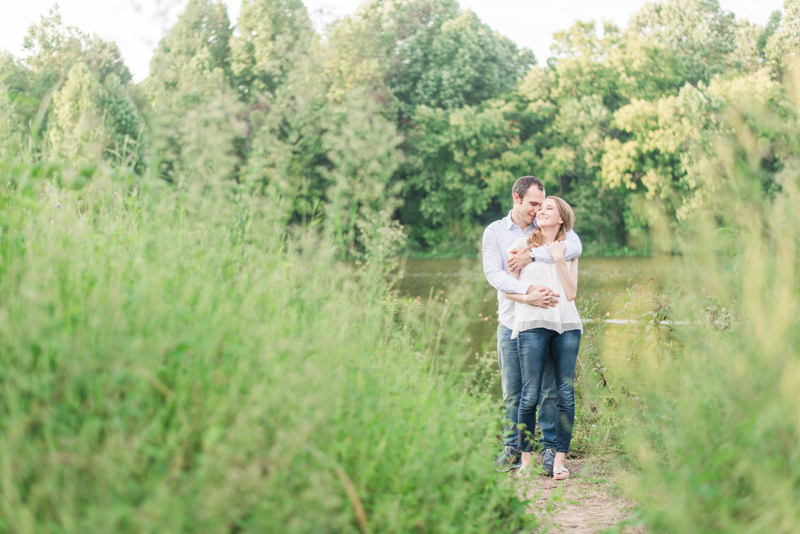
[
  {"x": 580, "y": 69},
  {"x": 10, "y": 125},
  {"x": 458, "y": 168},
  {"x": 180, "y": 362},
  {"x": 705, "y": 382},
  {"x": 453, "y": 111},
  {"x": 92, "y": 120},
  {"x": 54, "y": 50},
  {"x": 783, "y": 45},
  {"x": 17, "y": 80},
  {"x": 430, "y": 54},
  {"x": 273, "y": 36},
  {"x": 612, "y": 124},
  {"x": 469, "y": 63},
  {"x": 743, "y": 412},
  {"x": 184, "y": 351},
  {"x": 203, "y": 28},
  {"x": 699, "y": 32},
  {"x": 194, "y": 112}
]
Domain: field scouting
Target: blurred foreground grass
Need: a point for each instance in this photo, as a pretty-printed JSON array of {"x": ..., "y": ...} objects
[
  {"x": 179, "y": 362},
  {"x": 709, "y": 412}
]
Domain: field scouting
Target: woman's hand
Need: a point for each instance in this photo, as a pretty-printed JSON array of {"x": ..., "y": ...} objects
[
  {"x": 556, "y": 249},
  {"x": 541, "y": 296}
]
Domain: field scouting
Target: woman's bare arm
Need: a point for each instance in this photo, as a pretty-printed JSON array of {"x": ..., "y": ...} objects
[
  {"x": 567, "y": 276},
  {"x": 569, "y": 279},
  {"x": 516, "y": 297},
  {"x": 537, "y": 296}
]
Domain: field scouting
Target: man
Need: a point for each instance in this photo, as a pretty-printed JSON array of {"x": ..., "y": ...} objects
[{"x": 528, "y": 194}]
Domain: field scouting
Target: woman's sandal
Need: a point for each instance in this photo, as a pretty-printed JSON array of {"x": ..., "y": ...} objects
[{"x": 560, "y": 472}]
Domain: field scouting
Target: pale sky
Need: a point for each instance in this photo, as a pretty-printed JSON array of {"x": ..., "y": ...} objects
[{"x": 137, "y": 25}]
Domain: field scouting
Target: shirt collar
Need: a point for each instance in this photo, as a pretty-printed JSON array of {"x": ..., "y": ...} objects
[{"x": 509, "y": 222}]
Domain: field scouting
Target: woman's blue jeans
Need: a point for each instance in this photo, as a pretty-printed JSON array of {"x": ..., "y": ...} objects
[{"x": 535, "y": 347}]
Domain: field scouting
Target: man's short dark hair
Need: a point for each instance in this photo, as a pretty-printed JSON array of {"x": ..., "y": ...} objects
[{"x": 522, "y": 185}]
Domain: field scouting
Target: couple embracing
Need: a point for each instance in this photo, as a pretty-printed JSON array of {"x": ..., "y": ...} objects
[{"x": 531, "y": 258}]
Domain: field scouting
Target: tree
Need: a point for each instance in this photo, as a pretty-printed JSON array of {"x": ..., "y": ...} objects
[
  {"x": 274, "y": 35},
  {"x": 196, "y": 115},
  {"x": 53, "y": 51},
  {"x": 581, "y": 68},
  {"x": 644, "y": 70},
  {"x": 699, "y": 32},
  {"x": 783, "y": 46},
  {"x": 202, "y": 28},
  {"x": 617, "y": 66},
  {"x": 747, "y": 57},
  {"x": 468, "y": 64},
  {"x": 10, "y": 127},
  {"x": 458, "y": 163},
  {"x": 583, "y": 124},
  {"x": 93, "y": 120},
  {"x": 17, "y": 80},
  {"x": 432, "y": 55},
  {"x": 400, "y": 34}
]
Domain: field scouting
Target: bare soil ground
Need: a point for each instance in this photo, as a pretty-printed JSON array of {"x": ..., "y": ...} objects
[{"x": 588, "y": 501}]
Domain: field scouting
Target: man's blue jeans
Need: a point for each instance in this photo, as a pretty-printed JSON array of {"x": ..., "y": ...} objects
[
  {"x": 536, "y": 348},
  {"x": 511, "y": 374}
]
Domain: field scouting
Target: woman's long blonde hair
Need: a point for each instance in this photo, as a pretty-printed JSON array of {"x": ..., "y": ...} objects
[{"x": 537, "y": 238}]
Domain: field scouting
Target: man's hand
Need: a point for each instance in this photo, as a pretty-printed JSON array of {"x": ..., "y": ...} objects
[
  {"x": 517, "y": 259},
  {"x": 556, "y": 250},
  {"x": 541, "y": 296}
]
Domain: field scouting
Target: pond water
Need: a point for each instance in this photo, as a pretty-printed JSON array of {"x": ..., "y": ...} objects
[{"x": 602, "y": 282}]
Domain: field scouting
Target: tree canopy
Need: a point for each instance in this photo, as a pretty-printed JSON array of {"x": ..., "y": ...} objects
[{"x": 412, "y": 110}]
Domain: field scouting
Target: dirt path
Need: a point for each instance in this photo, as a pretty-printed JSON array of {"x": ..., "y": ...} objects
[{"x": 589, "y": 501}]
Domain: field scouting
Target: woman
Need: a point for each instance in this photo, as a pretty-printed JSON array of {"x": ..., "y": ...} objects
[{"x": 543, "y": 333}]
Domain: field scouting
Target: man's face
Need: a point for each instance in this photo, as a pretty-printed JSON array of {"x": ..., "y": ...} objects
[{"x": 527, "y": 207}]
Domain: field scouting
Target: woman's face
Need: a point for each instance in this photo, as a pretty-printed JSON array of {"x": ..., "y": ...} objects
[{"x": 548, "y": 214}]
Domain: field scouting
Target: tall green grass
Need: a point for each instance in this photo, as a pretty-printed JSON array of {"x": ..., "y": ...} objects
[
  {"x": 179, "y": 361},
  {"x": 716, "y": 447}
]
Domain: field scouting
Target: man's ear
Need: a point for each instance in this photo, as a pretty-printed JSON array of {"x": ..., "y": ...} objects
[{"x": 515, "y": 196}]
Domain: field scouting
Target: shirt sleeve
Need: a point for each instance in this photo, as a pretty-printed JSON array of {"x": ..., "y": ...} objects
[
  {"x": 493, "y": 267},
  {"x": 574, "y": 248},
  {"x": 519, "y": 244}
]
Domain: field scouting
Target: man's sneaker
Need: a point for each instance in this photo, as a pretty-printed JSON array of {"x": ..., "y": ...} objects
[
  {"x": 548, "y": 458},
  {"x": 510, "y": 459}
]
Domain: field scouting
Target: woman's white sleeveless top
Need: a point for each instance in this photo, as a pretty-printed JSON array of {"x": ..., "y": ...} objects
[{"x": 526, "y": 316}]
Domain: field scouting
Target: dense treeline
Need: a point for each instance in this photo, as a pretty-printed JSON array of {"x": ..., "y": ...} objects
[{"x": 413, "y": 111}]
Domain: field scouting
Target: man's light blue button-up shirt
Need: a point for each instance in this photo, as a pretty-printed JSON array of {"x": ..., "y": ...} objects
[{"x": 497, "y": 238}]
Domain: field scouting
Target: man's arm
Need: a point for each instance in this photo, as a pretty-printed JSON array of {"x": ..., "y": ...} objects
[
  {"x": 493, "y": 267},
  {"x": 573, "y": 244},
  {"x": 537, "y": 296}
]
